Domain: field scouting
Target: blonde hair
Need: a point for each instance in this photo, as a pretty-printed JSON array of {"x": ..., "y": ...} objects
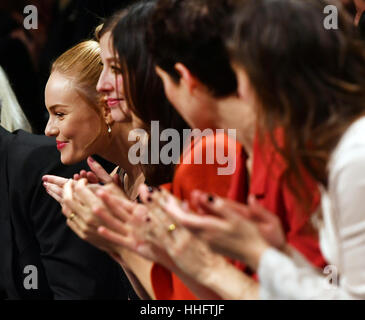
[
  {"x": 12, "y": 115},
  {"x": 82, "y": 64}
]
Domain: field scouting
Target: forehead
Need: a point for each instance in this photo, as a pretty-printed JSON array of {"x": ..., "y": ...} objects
[
  {"x": 60, "y": 90},
  {"x": 106, "y": 46}
]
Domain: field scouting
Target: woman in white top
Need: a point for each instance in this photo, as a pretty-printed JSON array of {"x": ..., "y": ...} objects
[
  {"x": 12, "y": 115},
  {"x": 303, "y": 74}
]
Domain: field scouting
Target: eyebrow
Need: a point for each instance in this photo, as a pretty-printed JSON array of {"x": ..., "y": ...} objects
[
  {"x": 112, "y": 59},
  {"x": 58, "y": 105}
]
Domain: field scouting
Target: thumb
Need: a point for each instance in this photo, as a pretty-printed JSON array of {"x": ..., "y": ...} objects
[
  {"x": 99, "y": 171},
  {"x": 116, "y": 180}
]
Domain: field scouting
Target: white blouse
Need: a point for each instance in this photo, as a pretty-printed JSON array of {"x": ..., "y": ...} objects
[{"x": 342, "y": 235}]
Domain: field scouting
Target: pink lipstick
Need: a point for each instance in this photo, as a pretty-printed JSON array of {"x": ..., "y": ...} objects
[{"x": 61, "y": 145}]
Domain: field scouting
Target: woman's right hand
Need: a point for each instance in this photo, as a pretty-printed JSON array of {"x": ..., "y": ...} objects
[
  {"x": 54, "y": 186},
  {"x": 128, "y": 224},
  {"x": 97, "y": 174},
  {"x": 151, "y": 235}
]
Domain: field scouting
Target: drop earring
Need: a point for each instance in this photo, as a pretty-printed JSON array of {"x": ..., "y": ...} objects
[{"x": 109, "y": 128}]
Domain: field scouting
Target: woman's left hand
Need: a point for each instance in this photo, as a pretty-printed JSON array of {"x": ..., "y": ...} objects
[
  {"x": 230, "y": 228},
  {"x": 79, "y": 206}
]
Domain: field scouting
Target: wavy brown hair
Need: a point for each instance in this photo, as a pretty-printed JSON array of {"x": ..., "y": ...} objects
[{"x": 308, "y": 80}]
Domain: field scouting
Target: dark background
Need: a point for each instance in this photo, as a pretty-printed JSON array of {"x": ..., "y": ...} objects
[{"x": 26, "y": 55}]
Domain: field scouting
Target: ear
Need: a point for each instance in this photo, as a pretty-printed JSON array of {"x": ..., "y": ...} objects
[
  {"x": 170, "y": 86},
  {"x": 186, "y": 78},
  {"x": 165, "y": 77}
]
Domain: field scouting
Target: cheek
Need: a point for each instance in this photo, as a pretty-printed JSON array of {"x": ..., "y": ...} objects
[
  {"x": 67, "y": 128},
  {"x": 83, "y": 132},
  {"x": 119, "y": 84}
]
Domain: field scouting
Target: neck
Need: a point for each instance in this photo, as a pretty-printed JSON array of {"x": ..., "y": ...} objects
[
  {"x": 117, "y": 150},
  {"x": 245, "y": 137},
  {"x": 244, "y": 121}
]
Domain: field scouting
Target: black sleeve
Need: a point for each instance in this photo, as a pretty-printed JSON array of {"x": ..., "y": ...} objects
[{"x": 73, "y": 268}]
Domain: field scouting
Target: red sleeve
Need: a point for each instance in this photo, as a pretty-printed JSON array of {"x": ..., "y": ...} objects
[
  {"x": 300, "y": 233},
  {"x": 188, "y": 177}
]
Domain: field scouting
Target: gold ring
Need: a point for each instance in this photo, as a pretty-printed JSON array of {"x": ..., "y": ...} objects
[
  {"x": 171, "y": 228},
  {"x": 72, "y": 216}
]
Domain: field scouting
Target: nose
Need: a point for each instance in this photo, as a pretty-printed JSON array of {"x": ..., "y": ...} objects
[
  {"x": 104, "y": 84},
  {"x": 51, "y": 130}
]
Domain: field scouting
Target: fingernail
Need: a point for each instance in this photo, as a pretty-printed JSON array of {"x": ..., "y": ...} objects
[
  {"x": 44, "y": 178},
  {"x": 149, "y": 199},
  {"x": 139, "y": 199},
  {"x": 150, "y": 189},
  {"x": 91, "y": 159},
  {"x": 148, "y": 219},
  {"x": 251, "y": 198},
  {"x": 210, "y": 198},
  {"x": 159, "y": 189}
]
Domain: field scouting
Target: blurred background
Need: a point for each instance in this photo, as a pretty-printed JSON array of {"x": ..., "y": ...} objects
[{"x": 26, "y": 55}]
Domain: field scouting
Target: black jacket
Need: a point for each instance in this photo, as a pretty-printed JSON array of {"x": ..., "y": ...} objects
[{"x": 33, "y": 230}]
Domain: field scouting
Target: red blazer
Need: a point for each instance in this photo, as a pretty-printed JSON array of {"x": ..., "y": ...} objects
[
  {"x": 266, "y": 184},
  {"x": 189, "y": 177},
  {"x": 269, "y": 187}
]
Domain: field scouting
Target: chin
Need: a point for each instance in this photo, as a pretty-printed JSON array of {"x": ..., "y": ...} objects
[
  {"x": 118, "y": 115},
  {"x": 70, "y": 160}
]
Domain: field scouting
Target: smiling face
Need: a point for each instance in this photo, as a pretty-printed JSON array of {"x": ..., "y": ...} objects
[
  {"x": 78, "y": 128},
  {"x": 110, "y": 83}
]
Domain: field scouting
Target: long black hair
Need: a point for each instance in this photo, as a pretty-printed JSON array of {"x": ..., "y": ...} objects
[{"x": 143, "y": 88}]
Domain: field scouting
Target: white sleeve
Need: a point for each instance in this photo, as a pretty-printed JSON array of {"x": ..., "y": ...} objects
[
  {"x": 284, "y": 277},
  {"x": 349, "y": 207}
]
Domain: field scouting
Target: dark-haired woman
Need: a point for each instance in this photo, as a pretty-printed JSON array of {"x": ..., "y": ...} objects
[{"x": 311, "y": 82}]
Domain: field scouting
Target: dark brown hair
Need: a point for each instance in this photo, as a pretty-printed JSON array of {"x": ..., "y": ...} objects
[
  {"x": 308, "y": 80},
  {"x": 143, "y": 88},
  {"x": 191, "y": 32}
]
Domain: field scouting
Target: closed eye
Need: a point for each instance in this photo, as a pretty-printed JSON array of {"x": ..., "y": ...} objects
[{"x": 116, "y": 69}]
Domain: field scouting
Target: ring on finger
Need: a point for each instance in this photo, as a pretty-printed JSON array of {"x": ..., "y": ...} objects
[{"x": 171, "y": 227}]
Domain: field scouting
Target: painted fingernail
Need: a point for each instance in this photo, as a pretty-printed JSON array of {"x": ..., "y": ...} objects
[
  {"x": 139, "y": 199},
  {"x": 149, "y": 199},
  {"x": 210, "y": 198},
  {"x": 91, "y": 159},
  {"x": 150, "y": 189},
  {"x": 148, "y": 219}
]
